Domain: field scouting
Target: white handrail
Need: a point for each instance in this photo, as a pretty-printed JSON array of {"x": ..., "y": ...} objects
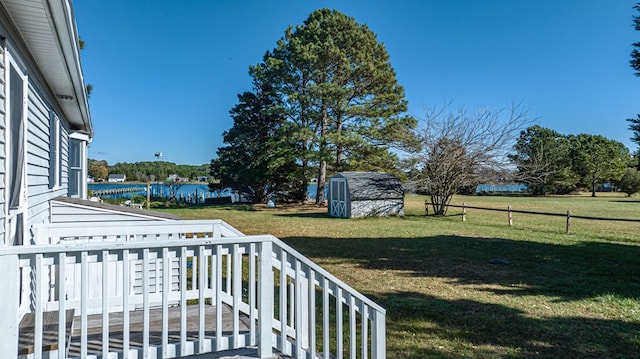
[
  {"x": 227, "y": 269},
  {"x": 295, "y": 326},
  {"x": 319, "y": 270}
]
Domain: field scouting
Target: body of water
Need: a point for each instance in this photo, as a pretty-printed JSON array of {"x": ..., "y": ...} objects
[
  {"x": 502, "y": 188},
  {"x": 188, "y": 192}
]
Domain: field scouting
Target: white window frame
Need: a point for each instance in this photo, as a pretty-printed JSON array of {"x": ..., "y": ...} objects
[
  {"x": 54, "y": 153},
  {"x": 83, "y": 141},
  {"x": 12, "y": 213}
]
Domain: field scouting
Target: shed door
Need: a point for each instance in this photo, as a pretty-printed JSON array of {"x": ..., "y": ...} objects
[{"x": 338, "y": 197}]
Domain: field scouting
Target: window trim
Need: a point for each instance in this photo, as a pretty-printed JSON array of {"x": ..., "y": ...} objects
[
  {"x": 81, "y": 170},
  {"x": 15, "y": 216},
  {"x": 54, "y": 151}
]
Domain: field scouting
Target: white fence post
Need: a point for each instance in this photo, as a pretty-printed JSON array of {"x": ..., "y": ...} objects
[
  {"x": 265, "y": 300},
  {"x": 9, "y": 309}
]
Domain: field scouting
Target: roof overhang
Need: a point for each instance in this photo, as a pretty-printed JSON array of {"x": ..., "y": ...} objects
[{"x": 49, "y": 31}]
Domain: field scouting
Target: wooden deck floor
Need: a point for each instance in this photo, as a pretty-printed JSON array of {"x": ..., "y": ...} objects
[
  {"x": 246, "y": 353},
  {"x": 155, "y": 324},
  {"x": 94, "y": 330}
]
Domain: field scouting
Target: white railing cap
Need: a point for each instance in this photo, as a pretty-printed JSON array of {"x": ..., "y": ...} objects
[{"x": 74, "y": 247}]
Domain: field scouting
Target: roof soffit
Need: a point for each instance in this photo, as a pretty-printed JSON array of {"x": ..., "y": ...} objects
[{"x": 49, "y": 32}]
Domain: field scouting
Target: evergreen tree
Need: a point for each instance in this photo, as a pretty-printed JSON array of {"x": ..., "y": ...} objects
[
  {"x": 339, "y": 91},
  {"x": 543, "y": 162},
  {"x": 254, "y": 161},
  {"x": 634, "y": 126},
  {"x": 635, "y": 53},
  {"x": 630, "y": 182},
  {"x": 598, "y": 160}
]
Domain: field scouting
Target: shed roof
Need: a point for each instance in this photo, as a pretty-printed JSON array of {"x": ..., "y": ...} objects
[{"x": 372, "y": 185}]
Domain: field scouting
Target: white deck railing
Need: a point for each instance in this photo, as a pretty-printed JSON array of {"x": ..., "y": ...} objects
[{"x": 280, "y": 298}]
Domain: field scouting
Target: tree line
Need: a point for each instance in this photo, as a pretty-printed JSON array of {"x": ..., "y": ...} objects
[
  {"x": 147, "y": 171},
  {"x": 550, "y": 162}
]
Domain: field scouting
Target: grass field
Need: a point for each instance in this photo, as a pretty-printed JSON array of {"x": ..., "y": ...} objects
[{"x": 555, "y": 295}]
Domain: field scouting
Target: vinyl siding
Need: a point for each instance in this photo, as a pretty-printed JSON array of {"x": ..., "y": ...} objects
[
  {"x": 41, "y": 103},
  {"x": 38, "y": 151}
]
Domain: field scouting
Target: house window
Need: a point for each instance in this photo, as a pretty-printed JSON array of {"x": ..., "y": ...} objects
[
  {"x": 15, "y": 181},
  {"x": 77, "y": 164},
  {"x": 17, "y": 138},
  {"x": 75, "y": 168},
  {"x": 54, "y": 150}
]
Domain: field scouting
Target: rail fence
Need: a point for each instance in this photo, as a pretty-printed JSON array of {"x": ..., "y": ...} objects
[{"x": 510, "y": 211}]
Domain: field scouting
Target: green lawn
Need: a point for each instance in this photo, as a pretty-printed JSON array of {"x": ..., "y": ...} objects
[{"x": 559, "y": 296}]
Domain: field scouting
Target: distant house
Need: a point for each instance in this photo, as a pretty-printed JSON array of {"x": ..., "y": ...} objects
[
  {"x": 363, "y": 194},
  {"x": 117, "y": 178},
  {"x": 174, "y": 178}
]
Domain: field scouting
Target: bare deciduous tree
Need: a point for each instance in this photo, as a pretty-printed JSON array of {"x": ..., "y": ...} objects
[{"x": 461, "y": 148}]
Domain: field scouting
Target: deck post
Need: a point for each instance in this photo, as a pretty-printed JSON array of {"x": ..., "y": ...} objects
[
  {"x": 265, "y": 299},
  {"x": 378, "y": 336},
  {"x": 9, "y": 282}
]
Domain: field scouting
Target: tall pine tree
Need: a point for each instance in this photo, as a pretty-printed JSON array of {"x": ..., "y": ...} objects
[
  {"x": 254, "y": 161},
  {"x": 340, "y": 93}
]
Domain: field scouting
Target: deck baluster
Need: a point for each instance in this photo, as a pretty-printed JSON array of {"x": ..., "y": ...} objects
[{"x": 62, "y": 308}]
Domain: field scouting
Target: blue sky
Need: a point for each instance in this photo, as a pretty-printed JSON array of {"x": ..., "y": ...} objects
[{"x": 166, "y": 73}]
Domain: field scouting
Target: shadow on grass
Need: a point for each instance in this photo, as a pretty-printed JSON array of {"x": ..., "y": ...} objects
[
  {"x": 305, "y": 215},
  {"x": 628, "y": 201},
  {"x": 560, "y": 273},
  {"x": 567, "y": 272},
  {"x": 490, "y": 328}
]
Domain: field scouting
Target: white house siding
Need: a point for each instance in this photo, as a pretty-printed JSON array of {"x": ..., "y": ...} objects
[
  {"x": 43, "y": 60},
  {"x": 83, "y": 212},
  {"x": 38, "y": 152}
]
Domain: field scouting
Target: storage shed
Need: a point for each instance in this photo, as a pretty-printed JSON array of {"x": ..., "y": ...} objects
[{"x": 362, "y": 194}]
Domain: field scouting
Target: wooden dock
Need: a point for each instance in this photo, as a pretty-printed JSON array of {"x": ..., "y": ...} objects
[{"x": 117, "y": 190}]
